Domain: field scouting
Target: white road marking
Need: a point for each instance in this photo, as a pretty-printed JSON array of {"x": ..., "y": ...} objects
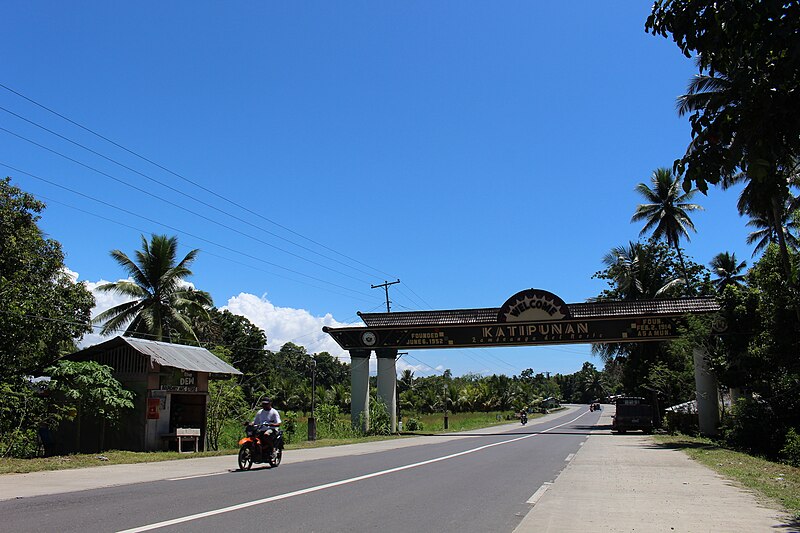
[
  {"x": 569, "y": 458},
  {"x": 326, "y": 486},
  {"x": 539, "y": 493},
  {"x": 196, "y": 476}
]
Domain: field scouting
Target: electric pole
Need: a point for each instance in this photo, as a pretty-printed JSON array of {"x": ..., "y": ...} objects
[{"x": 385, "y": 286}]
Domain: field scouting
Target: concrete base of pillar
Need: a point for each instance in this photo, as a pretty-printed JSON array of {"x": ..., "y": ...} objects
[
  {"x": 707, "y": 395},
  {"x": 387, "y": 384},
  {"x": 359, "y": 389}
]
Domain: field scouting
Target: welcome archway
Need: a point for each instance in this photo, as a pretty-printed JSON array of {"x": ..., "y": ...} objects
[{"x": 532, "y": 317}]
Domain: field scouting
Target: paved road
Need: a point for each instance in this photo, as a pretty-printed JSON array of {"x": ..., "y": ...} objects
[{"x": 478, "y": 482}]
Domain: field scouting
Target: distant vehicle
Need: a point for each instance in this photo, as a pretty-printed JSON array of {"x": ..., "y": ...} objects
[{"x": 632, "y": 413}]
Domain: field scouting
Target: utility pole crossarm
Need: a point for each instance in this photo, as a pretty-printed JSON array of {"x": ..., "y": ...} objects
[{"x": 385, "y": 286}]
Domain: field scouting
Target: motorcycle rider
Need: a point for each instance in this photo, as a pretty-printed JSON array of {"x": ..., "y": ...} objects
[{"x": 267, "y": 421}]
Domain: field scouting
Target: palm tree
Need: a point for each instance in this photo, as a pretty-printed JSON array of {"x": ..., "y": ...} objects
[
  {"x": 406, "y": 381},
  {"x": 637, "y": 274},
  {"x": 765, "y": 233},
  {"x": 728, "y": 270},
  {"x": 771, "y": 207},
  {"x": 162, "y": 303},
  {"x": 666, "y": 213}
]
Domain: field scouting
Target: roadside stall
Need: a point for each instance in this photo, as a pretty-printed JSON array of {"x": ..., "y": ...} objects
[{"x": 170, "y": 383}]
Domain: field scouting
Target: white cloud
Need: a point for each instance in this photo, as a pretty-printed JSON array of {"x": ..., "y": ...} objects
[
  {"x": 281, "y": 324},
  {"x": 416, "y": 369},
  {"x": 102, "y": 302},
  {"x": 287, "y": 324}
]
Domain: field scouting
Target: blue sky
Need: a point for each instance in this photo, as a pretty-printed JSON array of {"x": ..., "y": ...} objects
[{"x": 311, "y": 150}]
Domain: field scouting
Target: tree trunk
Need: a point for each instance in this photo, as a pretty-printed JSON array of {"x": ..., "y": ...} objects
[
  {"x": 687, "y": 284},
  {"x": 785, "y": 260}
]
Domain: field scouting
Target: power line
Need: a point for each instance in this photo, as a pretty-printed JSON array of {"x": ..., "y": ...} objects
[
  {"x": 193, "y": 198},
  {"x": 173, "y": 204},
  {"x": 223, "y": 257},
  {"x": 176, "y": 229},
  {"x": 171, "y": 188},
  {"x": 236, "y": 204},
  {"x": 425, "y": 364}
]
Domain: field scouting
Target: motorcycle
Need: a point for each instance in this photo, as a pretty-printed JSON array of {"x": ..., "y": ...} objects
[
  {"x": 256, "y": 448},
  {"x": 523, "y": 418}
]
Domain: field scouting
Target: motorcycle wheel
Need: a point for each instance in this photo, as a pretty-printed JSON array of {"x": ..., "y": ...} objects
[
  {"x": 245, "y": 457},
  {"x": 275, "y": 460}
]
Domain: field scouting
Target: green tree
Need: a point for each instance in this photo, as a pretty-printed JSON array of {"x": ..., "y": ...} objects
[
  {"x": 244, "y": 342},
  {"x": 643, "y": 272},
  {"x": 770, "y": 205},
  {"x": 758, "y": 355},
  {"x": 406, "y": 381},
  {"x": 23, "y": 410},
  {"x": 666, "y": 213},
  {"x": 728, "y": 269},
  {"x": 162, "y": 304},
  {"x": 89, "y": 388},
  {"x": 764, "y": 233},
  {"x": 751, "y": 120},
  {"x": 226, "y": 402},
  {"x": 43, "y": 308},
  {"x": 638, "y": 271}
]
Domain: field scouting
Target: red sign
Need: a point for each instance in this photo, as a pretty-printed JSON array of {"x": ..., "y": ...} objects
[{"x": 152, "y": 408}]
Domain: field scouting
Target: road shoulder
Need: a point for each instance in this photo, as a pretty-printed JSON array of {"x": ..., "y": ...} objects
[{"x": 629, "y": 483}]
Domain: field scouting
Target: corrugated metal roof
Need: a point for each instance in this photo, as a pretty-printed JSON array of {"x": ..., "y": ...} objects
[
  {"x": 181, "y": 356},
  {"x": 578, "y": 310}
]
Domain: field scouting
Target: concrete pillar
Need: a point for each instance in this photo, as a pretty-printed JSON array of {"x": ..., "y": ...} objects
[
  {"x": 359, "y": 388},
  {"x": 736, "y": 394},
  {"x": 707, "y": 394},
  {"x": 387, "y": 383}
]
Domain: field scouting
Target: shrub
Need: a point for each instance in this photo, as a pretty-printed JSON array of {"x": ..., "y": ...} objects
[
  {"x": 327, "y": 416},
  {"x": 412, "y": 424},
  {"x": 22, "y": 411},
  {"x": 791, "y": 448},
  {"x": 289, "y": 426},
  {"x": 329, "y": 424},
  {"x": 678, "y": 422},
  {"x": 753, "y": 427},
  {"x": 379, "y": 421}
]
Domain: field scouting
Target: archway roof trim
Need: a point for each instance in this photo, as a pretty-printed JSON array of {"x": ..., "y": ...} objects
[{"x": 585, "y": 310}]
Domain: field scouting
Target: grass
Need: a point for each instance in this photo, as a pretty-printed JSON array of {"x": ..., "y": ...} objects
[
  {"x": 111, "y": 457},
  {"x": 774, "y": 482},
  {"x": 434, "y": 423},
  {"x": 228, "y": 444}
]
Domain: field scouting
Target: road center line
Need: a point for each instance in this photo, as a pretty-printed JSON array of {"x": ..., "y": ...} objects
[{"x": 326, "y": 486}]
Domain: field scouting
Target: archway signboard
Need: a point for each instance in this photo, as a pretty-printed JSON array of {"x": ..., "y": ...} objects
[{"x": 529, "y": 318}]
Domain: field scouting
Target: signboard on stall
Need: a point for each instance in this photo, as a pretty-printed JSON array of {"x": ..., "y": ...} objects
[{"x": 178, "y": 380}]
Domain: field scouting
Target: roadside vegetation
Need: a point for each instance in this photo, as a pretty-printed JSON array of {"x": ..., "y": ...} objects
[
  {"x": 232, "y": 432},
  {"x": 777, "y": 482}
]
